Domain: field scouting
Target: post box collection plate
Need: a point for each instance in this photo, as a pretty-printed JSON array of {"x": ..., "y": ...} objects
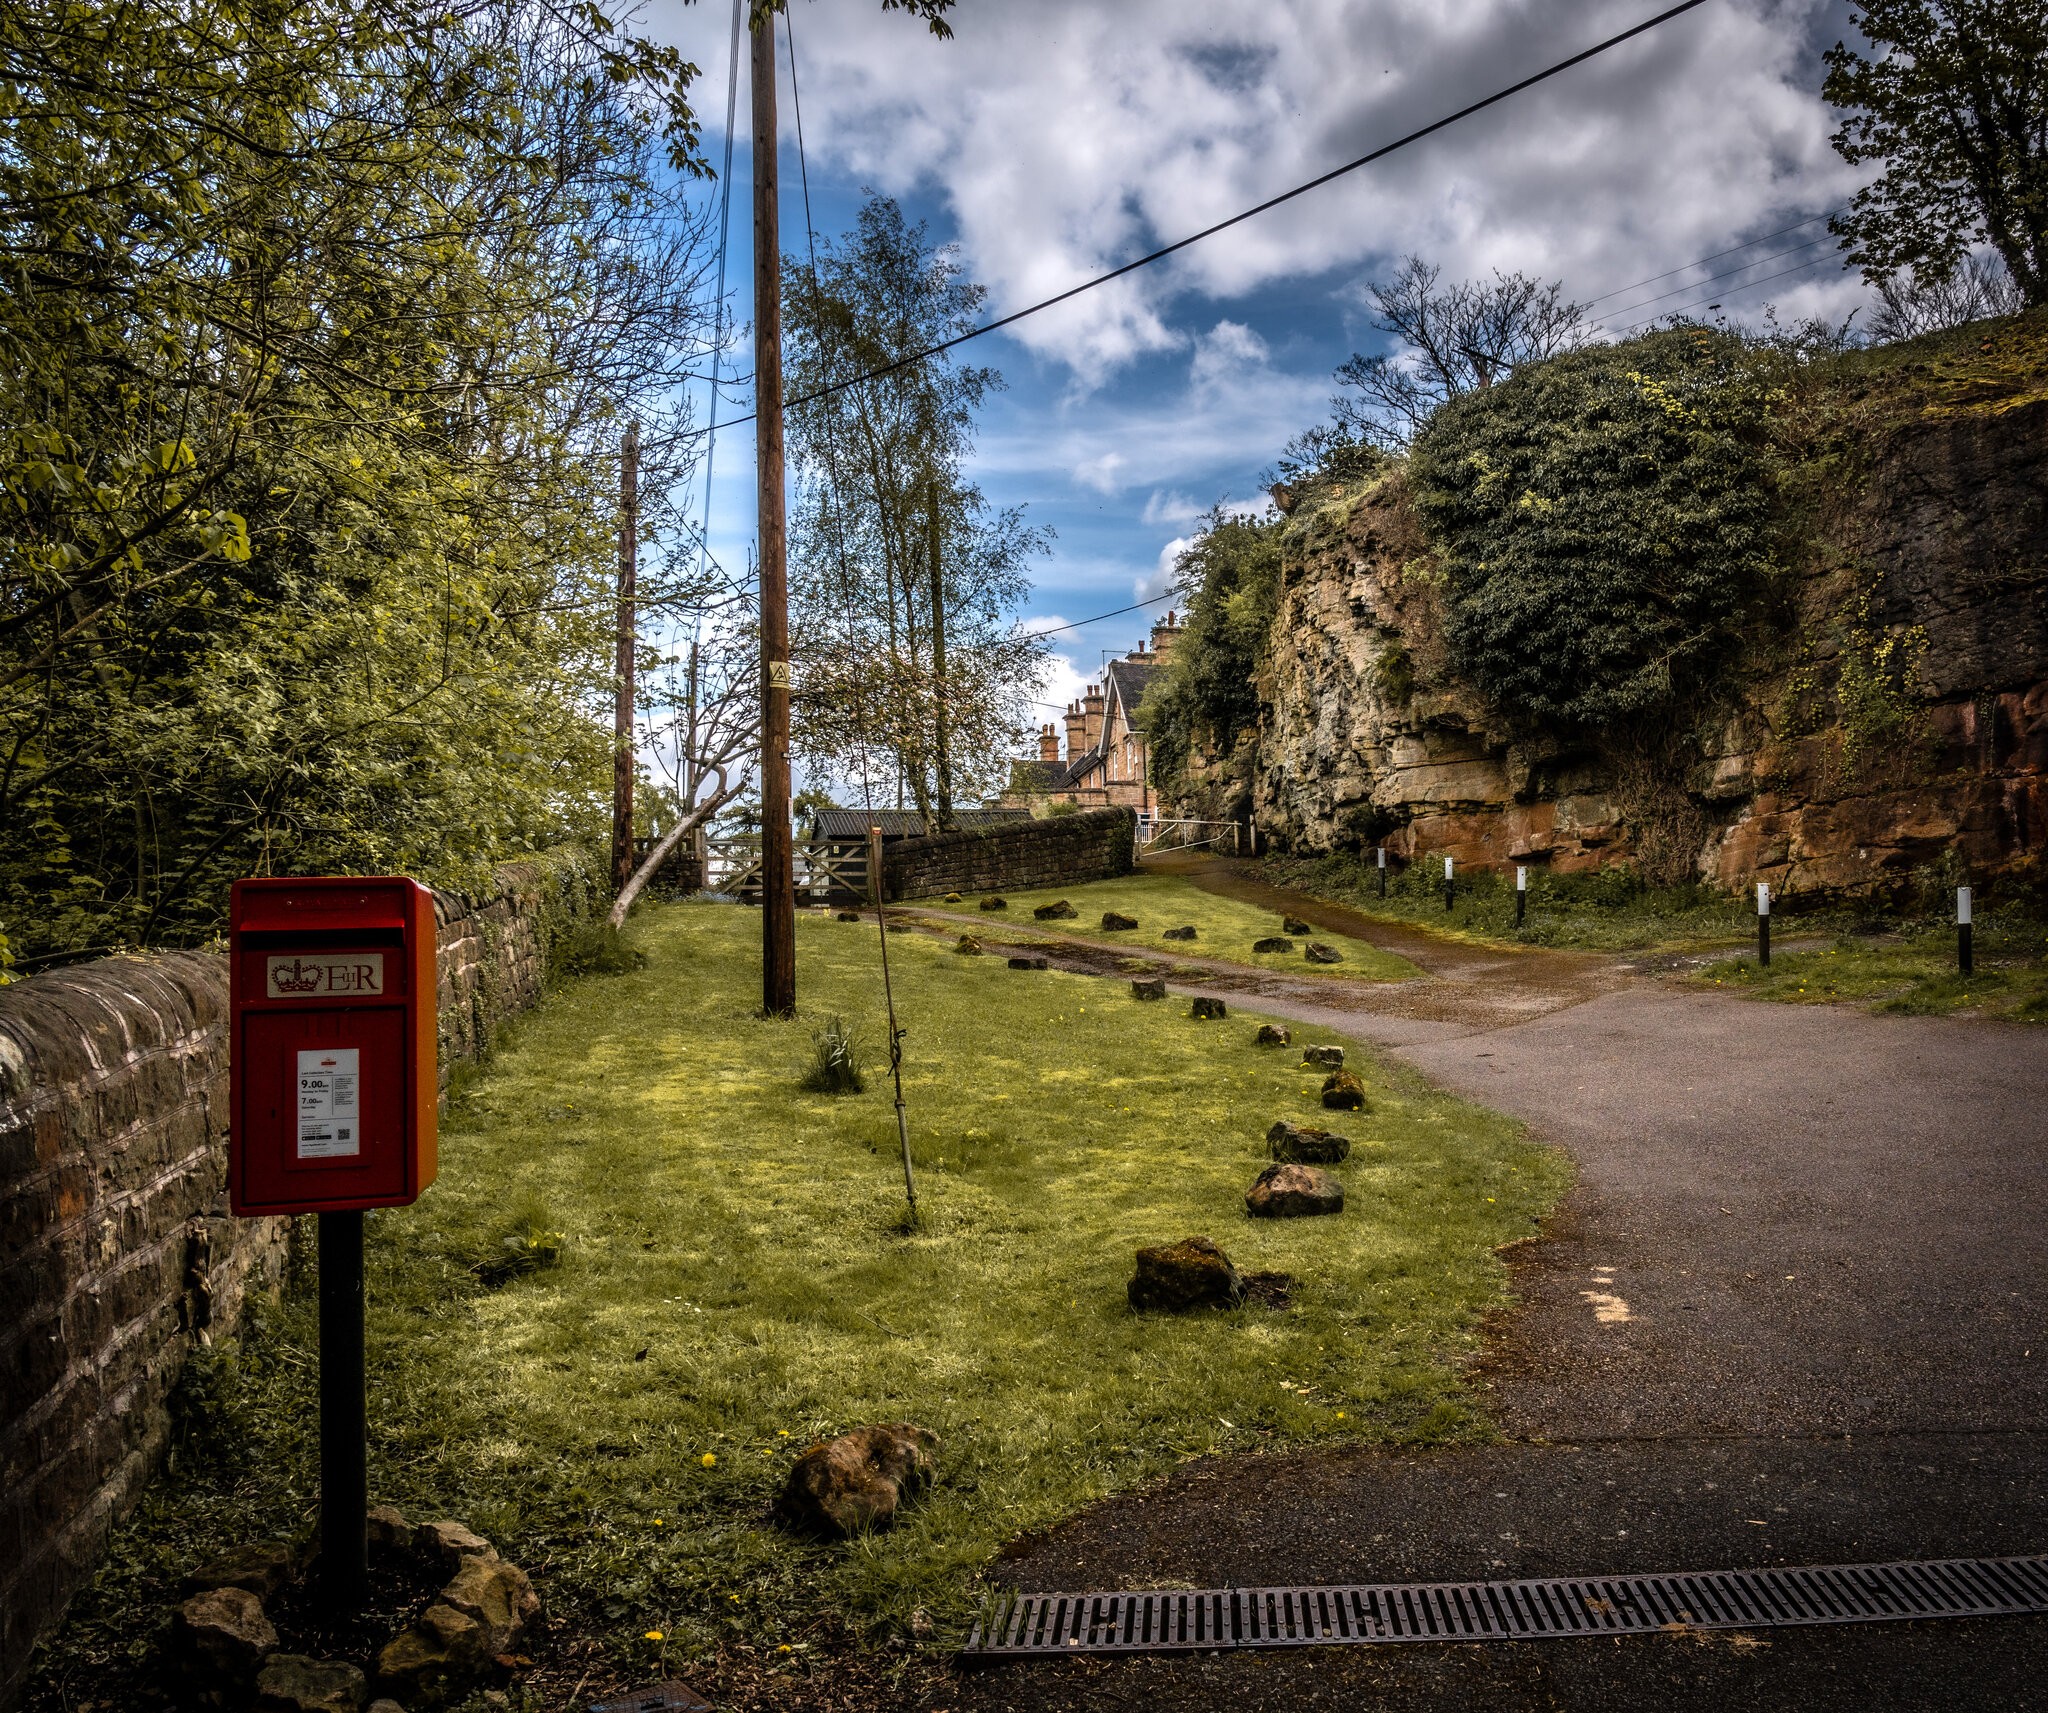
[{"x": 333, "y": 1066}]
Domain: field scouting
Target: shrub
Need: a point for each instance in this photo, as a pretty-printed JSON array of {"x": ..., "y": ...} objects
[
  {"x": 835, "y": 1061},
  {"x": 592, "y": 947},
  {"x": 1601, "y": 522}
]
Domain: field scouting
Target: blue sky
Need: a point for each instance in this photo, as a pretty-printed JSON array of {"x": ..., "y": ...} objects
[{"x": 1053, "y": 138}]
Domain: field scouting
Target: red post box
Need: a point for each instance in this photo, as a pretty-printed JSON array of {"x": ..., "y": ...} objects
[{"x": 334, "y": 1086}]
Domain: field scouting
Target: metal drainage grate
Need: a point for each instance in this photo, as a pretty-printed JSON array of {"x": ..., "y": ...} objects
[{"x": 1174, "y": 1622}]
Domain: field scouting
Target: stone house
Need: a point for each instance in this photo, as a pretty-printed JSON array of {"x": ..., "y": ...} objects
[{"x": 1106, "y": 763}]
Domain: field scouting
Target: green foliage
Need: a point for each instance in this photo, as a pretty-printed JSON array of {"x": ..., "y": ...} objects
[
  {"x": 735, "y": 1286},
  {"x": 591, "y": 947},
  {"x": 1206, "y": 694},
  {"x": 1956, "y": 107},
  {"x": 531, "y": 1242},
  {"x": 319, "y": 324},
  {"x": 1601, "y": 524},
  {"x": 835, "y": 1066}
]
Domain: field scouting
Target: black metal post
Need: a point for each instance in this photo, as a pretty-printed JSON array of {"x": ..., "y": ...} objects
[
  {"x": 1763, "y": 925},
  {"x": 1383, "y": 871},
  {"x": 1966, "y": 953},
  {"x": 344, "y": 1467},
  {"x": 1521, "y": 894},
  {"x": 1450, "y": 885}
]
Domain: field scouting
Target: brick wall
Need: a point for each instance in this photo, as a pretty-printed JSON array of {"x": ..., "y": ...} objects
[
  {"x": 117, "y": 1252},
  {"x": 1062, "y": 850}
]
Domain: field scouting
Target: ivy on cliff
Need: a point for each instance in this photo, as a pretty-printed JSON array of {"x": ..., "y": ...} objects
[
  {"x": 1206, "y": 695},
  {"x": 1601, "y": 523}
]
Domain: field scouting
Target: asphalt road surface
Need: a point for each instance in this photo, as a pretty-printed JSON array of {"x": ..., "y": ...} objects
[{"x": 1793, "y": 1313}]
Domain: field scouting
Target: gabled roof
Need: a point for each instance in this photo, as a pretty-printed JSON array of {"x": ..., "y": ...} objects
[{"x": 1126, "y": 681}]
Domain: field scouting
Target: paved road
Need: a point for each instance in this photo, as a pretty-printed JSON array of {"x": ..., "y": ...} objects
[{"x": 1795, "y": 1312}]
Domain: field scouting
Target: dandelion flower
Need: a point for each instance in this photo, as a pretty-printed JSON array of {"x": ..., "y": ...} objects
[
  {"x": 709, "y": 1460},
  {"x": 652, "y": 1636}
]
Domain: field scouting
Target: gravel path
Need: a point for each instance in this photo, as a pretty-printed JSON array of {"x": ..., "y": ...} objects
[{"x": 1792, "y": 1314}]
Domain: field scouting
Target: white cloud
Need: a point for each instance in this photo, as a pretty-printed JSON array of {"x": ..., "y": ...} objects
[
  {"x": 1067, "y": 136},
  {"x": 1159, "y": 580},
  {"x": 1169, "y": 506}
]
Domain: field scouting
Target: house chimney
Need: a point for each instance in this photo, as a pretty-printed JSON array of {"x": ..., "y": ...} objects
[
  {"x": 1075, "y": 742},
  {"x": 1164, "y": 633},
  {"x": 1092, "y": 705},
  {"x": 1048, "y": 743}
]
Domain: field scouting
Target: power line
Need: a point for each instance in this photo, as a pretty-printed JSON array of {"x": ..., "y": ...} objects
[
  {"x": 1080, "y": 624},
  {"x": 1687, "y": 267},
  {"x": 1731, "y": 273},
  {"x": 1271, "y": 202},
  {"x": 1796, "y": 268}
]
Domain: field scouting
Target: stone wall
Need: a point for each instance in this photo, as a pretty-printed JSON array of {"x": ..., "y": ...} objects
[
  {"x": 1938, "y": 550},
  {"x": 1061, "y": 850},
  {"x": 117, "y": 1252}
]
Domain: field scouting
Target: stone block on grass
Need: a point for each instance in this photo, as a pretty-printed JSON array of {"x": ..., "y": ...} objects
[
  {"x": 1272, "y": 1035},
  {"x": 1177, "y": 1277},
  {"x": 1149, "y": 988},
  {"x": 297, "y": 1683},
  {"x": 993, "y": 904},
  {"x": 1029, "y": 963},
  {"x": 969, "y": 947},
  {"x": 1305, "y": 1146},
  {"x": 1272, "y": 943},
  {"x": 1293, "y": 925},
  {"x": 954, "y": 898},
  {"x": 859, "y": 1481},
  {"x": 218, "y": 1639},
  {"x": 1318, "y": 952},
  {"x": 1343, "y": 1092},
  {"x": 261, "y": 1567},
  {"x": 1208, "y": 1008},
  {"x": 1061, "y": 911},
  {"x": 445, "y": 1543},
  {"x": 1115, "y": 923},
  {"x": 849, "y": 915},
  {"x": 1330, "y": 1058},
  {"x": 1187, "y": 933},
  {"x": 1290, "y": 1191}
]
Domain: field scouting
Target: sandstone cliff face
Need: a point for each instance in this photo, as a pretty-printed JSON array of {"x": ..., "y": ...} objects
[{"x": 1890, "y": 712}]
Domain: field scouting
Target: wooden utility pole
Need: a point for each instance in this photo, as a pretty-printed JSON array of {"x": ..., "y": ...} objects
[
  {"x": 778, "y": 861},
  {"x": 622, "y": 719}
]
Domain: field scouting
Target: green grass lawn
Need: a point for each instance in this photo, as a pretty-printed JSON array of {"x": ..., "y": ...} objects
[
  {"x": 1224, "y": 927},
  {"x": 1604, "y": 910},
  {"x": 1915, "y": 975},
  {"x": 736, "y": 1278}
]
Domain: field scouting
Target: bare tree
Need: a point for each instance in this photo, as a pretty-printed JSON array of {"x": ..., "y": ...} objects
[
  {"x": 1454, "y": 339},
  {"x": 1910, "y": 305},
  {"x": 701, "y": 728}
]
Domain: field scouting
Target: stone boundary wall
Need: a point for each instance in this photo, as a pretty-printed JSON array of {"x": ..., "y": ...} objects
[
  {"x": 117, "y": 1252},
  {"x": 1061, "y": 850}
]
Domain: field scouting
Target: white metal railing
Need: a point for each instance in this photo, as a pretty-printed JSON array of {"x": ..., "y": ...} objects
[{"x": 1178, "y": 833}]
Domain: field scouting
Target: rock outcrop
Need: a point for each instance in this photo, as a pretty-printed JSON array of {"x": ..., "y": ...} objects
[{"x": 1889, "y": 709}]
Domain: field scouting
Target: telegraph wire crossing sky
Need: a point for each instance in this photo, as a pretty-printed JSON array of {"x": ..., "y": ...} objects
[{"x": 1053, "y": 142}]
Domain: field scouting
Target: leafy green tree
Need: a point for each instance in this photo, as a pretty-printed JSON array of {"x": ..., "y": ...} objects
[
  {"x": 318, "y": 326},
  {"x": 901, "y": 571},
  {"x": 1956, "y": 107},
  {"x": 1601, "y": 523},
  {"x": 1206, "y": 695}
]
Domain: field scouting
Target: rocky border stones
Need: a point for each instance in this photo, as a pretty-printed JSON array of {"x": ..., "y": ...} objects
[
  {"x": 1272, "y": 943},
  {"x": 1148, "y": 988},
  {"x": 1115, "y": 923},
  {"x": 1272, "y": 1035},
  {"x": 1317, "y": 952},
  {"x": 858, "y": 1481},
  {"x": 1293, "y": 925},
  {"x": 1290, "y": 1191},
  {"x": 1303, "y": 1145},
  {"x": 1343, "y": 1092},
  {"x": 1187, "y": 933},
  {"x": 1059, "y": 911},
  {"x": 1177, "y": 1277},
  {"x": 1210, "y": 1008},
  {"x": 1331, "y": 1058}
]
